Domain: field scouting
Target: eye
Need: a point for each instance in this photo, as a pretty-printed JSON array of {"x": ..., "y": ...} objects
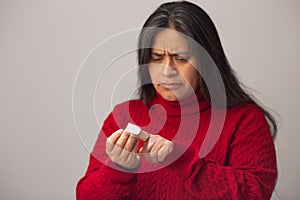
[
  {"x": 155, "y": 58},
  {"x": 180, "y": 59}
]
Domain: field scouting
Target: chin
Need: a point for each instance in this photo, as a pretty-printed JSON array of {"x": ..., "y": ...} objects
[{"x": 170, "y": 97}]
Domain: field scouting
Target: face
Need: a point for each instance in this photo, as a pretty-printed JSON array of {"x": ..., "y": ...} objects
[{"x": 172, "y": 66}]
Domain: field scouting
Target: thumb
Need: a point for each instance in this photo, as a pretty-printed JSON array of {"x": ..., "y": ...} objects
[
  {"x": 141, "y": 150},
  {"x": 144, "y": 153},
  {"x": 145, "y": 147}
]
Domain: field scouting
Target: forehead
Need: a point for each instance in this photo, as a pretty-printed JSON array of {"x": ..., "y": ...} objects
[{"x": 171, "y": 41}]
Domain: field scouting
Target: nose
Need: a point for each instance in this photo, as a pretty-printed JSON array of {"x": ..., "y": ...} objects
[{"x": 169, "y": 69}]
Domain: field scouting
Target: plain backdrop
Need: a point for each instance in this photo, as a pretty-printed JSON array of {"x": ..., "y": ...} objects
[{"x": 43, "y": 43}]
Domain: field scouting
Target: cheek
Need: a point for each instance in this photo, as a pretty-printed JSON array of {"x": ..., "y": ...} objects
[
  {"x": 193, "y": 78},
  {"x": 196, "y": 79},
  {"x": 154, "y": 73}
]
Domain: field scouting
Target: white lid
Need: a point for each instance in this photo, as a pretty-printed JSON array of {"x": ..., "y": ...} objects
[{"x": 133, "y": 129}]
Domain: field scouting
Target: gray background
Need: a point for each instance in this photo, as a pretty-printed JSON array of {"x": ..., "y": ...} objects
[{"x": 43, "y": 43}]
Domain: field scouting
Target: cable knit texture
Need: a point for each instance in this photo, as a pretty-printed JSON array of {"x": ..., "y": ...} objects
[{"x": 241, "y": 164}]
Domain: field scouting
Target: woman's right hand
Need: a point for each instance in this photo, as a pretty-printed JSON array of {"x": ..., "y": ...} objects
[{"x": 121, "y": 147}]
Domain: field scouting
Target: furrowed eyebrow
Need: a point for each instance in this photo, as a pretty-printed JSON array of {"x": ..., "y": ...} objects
[
  {"x": 157, "y": 54},
  {"x": 186, "y": 53}
]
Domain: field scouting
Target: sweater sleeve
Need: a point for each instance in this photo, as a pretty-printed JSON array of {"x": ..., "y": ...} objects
[
  {"x": 250, "y": 171},
  {"x": 101, "y": 181}
]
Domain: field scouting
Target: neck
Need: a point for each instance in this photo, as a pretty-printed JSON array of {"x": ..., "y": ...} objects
[{"x": 188, "y": 106}]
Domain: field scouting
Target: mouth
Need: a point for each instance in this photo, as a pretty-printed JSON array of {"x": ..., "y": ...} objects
[{"x": 170, "y": 86}]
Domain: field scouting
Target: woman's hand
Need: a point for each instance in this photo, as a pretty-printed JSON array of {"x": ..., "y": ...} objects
[
  {"x": 121, "y": 147},
  {"x": 156, "y": 149}
]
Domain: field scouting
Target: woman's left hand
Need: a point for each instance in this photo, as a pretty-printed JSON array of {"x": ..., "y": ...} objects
[{"x": 156, "y": 149}]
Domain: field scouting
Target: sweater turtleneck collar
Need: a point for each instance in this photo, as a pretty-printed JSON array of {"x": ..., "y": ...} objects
[{"x": 194, "y": 104}]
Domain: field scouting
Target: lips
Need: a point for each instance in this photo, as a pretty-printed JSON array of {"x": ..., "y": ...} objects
[{"x": 170, "y": 86}]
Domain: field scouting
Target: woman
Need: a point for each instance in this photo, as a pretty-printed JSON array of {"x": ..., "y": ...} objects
[{"x": 176, "y": 108}]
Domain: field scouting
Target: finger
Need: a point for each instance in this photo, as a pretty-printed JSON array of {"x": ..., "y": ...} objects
[
  {"x": 109, "y": 146},
  {"x": 162, "y": 153},
  {"x": 154, "y": 151},
  {"x": 147, "y": 156},
  {"x": 133, "y": 153},
  {"x": 144, "y": 152},
  {"x": 115, "y": 136},
  {"x": 129, "y": 146},
  {"x": 148, "y": 149},
  {"x": 170, "y": 147},
  {"x": 135, "y": 148},
  {"x": 147, "y": 146},
  {"x": 119, "y": 145},
  {"x": 133, "y": 160},
  {"x": 111, "y": 140},
  {"x": 131, "y": 143}
]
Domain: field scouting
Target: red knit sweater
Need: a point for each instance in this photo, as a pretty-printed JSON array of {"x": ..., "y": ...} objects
[{"x": 241, "y": 165}]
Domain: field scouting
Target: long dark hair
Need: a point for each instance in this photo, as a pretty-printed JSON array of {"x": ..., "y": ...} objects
[{"x": 191, "y": 20}]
